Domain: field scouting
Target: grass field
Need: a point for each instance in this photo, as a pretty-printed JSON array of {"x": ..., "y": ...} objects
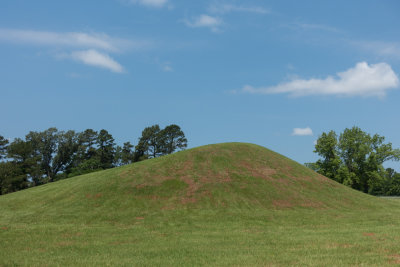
[{"x": 230, "y": 204}]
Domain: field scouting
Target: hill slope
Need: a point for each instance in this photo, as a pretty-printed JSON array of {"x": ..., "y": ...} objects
[{"x": 224, "y": 204}]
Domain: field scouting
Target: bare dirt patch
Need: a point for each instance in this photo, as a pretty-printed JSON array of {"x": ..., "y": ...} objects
[
  {"x": 369, "y": 234},
  {"x": 312, "y": 204},
  {"x": 94, "y": 196},
  {"x": 394, "y": 259}
]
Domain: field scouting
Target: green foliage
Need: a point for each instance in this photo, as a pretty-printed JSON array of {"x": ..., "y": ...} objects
[
  {"x": 12, "y": 177},
  {"x": 127, "y": 153},
  {"x": 3, "y": 146},
  {"x": 87, "y": 141},
  {"x": 326, "y": 147},
  {"x": 86, "y": 166},
  {"x": 355, "y": 159},
  {"x": 23, "y": 154},
  {"x": 106, "y": 149},
  {"x": 151, "y": 143},
  {"x": 155, "y": 142},
  {"x": 52, "y": 155},
  {"x": 173, "y": 138}
]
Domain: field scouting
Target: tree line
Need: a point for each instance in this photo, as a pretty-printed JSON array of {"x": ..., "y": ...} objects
[
  {"x": 51, "y": 155},
  {"x": 355, "y": 158}
]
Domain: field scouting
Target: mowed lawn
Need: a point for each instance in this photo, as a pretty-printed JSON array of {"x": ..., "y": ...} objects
[{"x": 221, "y": 205}]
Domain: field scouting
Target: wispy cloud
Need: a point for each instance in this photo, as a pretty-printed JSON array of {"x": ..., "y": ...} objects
[
  {"x": 150, "y": 3},
  {"x": 205, "y": 21},
  {"x": 167, "y": 68},
  {"x": 69, "y": 39},
  {"x": 384, "y": 49},
  {"x": 94, "y": 58},
  {"x": 302, "y": 131},
  {"x": 223, "y": 8},
  {"x": 310, "y": 26},
  {"x": 362, "y": 80},
  {"x": 93, "y": 47}
]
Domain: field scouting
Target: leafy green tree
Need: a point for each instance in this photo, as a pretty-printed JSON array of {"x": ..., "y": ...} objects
[
  {"x": 326, "y": 147},
  {"x": 86, "y": 166},
  {"x": 3, "y": 146},
  {"x": 173, "y": 139},
  {"x": 106, "y": 149},
  {"x": 44, "y": 144},
  {"x": 117, "y": 156},
  {"x": 87, "y": 145},
  {"x": 392, "y": 183},
  {"x": 23, "y": 155},
  {"x": 67, "y": 147},
  {"x": 12, "y": 177},
  {"x": 151, "y": 143},
  {"x": 56, "y": 149},
  {"x": 127, "y": 153},
  {"x": 355, "y": 158}
]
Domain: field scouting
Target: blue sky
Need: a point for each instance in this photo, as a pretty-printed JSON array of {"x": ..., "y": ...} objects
[{"x": 274, "y": 73}]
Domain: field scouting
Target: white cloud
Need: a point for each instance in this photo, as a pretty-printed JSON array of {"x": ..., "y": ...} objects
[
  {"x": 228, "y": 8},
  {"x": 68, "y": 39},
  {"x": 94, "y": 58},
  {"x": 302, "y": 131},
  {"x": 150, "y": 3},
  {"x": 362, "y": 80},
  {"x": 92, "y": 43},
  {"x": 205, "y": 21}
]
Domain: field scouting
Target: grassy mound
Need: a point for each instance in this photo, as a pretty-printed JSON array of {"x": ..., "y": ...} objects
[{"x": 225, "y": 204}]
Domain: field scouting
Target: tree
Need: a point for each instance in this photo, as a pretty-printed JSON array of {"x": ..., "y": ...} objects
[
  {"x": 86, "y": 166},
  {"x": 56, "y": 149},
  {"x": 127, "y": 153},
  {"x": 392, "y": 183},
  {"x": 173, "y": 138},
  {"x": 87, "y": 142},
  {"x": 12, "y": 177},
  {"x": 355, "y": 159},
  {"x": 3, "y": 146},
  {"x": 326, "y": 147},
  {"x": 106, "y": 149},
  {"x": 23, "y": 155},
  {"x": 151, "y": 143},
  {"x": 67, "y": 147},
  {"x": 44, "y": 144}
]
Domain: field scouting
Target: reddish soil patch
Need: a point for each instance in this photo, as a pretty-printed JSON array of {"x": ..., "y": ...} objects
[
  {"x": 257, "y": 170},
  {"x": 139, "y": 218},
  {"x": 312, "y": 204},
  {"x": 192, "y": 188},
  {"x": 4, "y": 228},
  {"x": 96, "y": 196},
  {"x": 394, "y": 259},
  {"x": 368, "y": 234}
]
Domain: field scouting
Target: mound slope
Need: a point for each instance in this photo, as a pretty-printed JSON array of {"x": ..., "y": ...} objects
[
  {"x": 227, "y": 175},
  {"x": 229, "y": 204}
]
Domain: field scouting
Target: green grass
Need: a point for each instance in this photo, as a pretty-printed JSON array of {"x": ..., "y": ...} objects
[{"x": 229, "y": 204}]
